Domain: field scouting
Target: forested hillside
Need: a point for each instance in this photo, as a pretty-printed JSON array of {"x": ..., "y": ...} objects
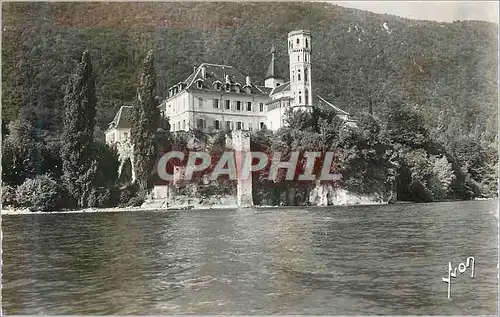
[{"x": 362, "y": 62}]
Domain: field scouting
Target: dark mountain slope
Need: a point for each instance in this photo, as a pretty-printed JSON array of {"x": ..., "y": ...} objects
[{"x": 446, "y": 70}]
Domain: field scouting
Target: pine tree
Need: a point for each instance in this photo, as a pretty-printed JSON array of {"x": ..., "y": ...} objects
[
  {"x": 145, "y": 124},
  {"x": 79, "y": 168}
]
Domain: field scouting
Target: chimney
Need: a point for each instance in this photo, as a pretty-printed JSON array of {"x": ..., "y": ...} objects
[
  {"x": 248, "y": 82},
  {"x": 203, "y": 72},
  {"x": 194, "y": 69}
]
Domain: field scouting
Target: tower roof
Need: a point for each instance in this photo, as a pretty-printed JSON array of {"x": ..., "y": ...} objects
[{"x": 271, "y": 69}]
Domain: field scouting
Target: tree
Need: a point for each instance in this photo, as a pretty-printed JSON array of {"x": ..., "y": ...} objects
[
  {"x": 79, "y": 168},
  {"x": 145, "y": 124}
]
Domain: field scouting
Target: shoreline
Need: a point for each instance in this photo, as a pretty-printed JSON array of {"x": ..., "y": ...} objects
[{"x": 25, "y": 211}]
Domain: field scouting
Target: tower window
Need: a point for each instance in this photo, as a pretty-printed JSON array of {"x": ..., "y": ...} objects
[
  {"x": 305, "y": 75},
  {"x": 298, "y": 77},
  {"x": 298, "y": 41},
  {"x": 183, "y": 124},
  {"x": 300, "y": 99},
  {"x": 307, "y": 43},
  {"x": 306, "y": 99},
  {"x": 298, "y": 58}
]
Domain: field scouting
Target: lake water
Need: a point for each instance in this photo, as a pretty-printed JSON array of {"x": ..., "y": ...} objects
[{"x": 337, "y": 260}]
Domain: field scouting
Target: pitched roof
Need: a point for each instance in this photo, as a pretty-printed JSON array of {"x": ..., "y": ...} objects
[
  {"x": 210, "y": 74},
  {"x": 123, "y": 119},
  {"x": 323, "y": 104},
  {"x": 281, "y": 88}
]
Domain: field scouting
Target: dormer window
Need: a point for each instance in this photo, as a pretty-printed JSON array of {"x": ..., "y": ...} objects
[
  {"x": 199, "y": 83},
  {"x": 217, "y": 85},
  {"x": 237, "y": 88},
  {"x": 228, "y": 87},
  {"x": 247, "y": 89}
]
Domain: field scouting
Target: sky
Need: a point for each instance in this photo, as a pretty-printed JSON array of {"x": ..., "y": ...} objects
[{"x": 442, "y": 11}]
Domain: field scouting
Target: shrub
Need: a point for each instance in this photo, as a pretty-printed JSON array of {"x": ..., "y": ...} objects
[
  {"x": 135, "y": 201},
  {"x": 104, "y": 198},
  {"x": 127, "y": 193},
  {"x": 8, "y": 196},
  {"x": 41, "y": 193}
]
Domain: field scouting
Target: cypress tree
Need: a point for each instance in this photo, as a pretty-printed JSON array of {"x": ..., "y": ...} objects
[
  {"x": 79, "y": 167},
  {"x": 145, "y": 124}
]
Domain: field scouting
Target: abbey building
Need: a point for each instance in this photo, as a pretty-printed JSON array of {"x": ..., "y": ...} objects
[{"x": 219, "y": 97}]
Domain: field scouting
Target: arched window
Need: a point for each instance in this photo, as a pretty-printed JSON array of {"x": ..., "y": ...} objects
[
  {"x": 307, "y": 44},
  {"x": 306, "y": 75},
  {"x": 199, "y": 84},
  {"x": 306, "y": 97}
]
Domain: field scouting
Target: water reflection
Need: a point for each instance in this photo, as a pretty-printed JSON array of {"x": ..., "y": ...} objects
[{"x": 356, "y": 260}]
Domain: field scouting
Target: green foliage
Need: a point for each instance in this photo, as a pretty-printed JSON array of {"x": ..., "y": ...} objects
[
  {"x": 8, "y": 196},
  {"x": 79, "y": 167},
  {"x": 41, "y": 193},
  {"x": 107, "y": 165},
  {"x": 104, "y": 197},
  {"x": 145, "y": 124}
]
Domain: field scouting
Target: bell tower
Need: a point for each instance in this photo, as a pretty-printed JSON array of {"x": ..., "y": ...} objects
[{"x": 299, "y": 52}]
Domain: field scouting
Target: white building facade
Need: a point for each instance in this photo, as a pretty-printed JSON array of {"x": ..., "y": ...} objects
[{"x": 218, "y": 97}]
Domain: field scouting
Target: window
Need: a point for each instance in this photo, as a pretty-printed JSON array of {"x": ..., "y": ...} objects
[
  {"x": 305, "y": 75},
  {"x": 238, "y": 105},
  {"x": 307, "y": 44},
  {"x": 262, "y": 125},
  {"x": 228, "y": 104},
  {"x": 249, "y": 106},
  {"x": 300, "y": 99},
  {"x": 249, "y": 126},
  {"x": 298, "y": 41},
  {"x": 306, "y": 97},
  {"x": 298, "y": 77},
  {"x": 178, "y": 126},
  {"x": 261, "y": 107},
  {"x": 200, "y": 124},
  {"x": 125, "y": 135},
  {"x": 298, "y": 58},
  {"x": 239, "y": 125},
  {"x": 228, "y": 87},
  {"x": 199, "y": 83},
  {"x": 217, "y": 124},
  {"x": 183, "y": 124},
  {"x": 228, "y": 125},
  {"x": 217, "y": 85},
  {"x": 216, "y": 103},
  {"x": 200, "y": 102}
]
